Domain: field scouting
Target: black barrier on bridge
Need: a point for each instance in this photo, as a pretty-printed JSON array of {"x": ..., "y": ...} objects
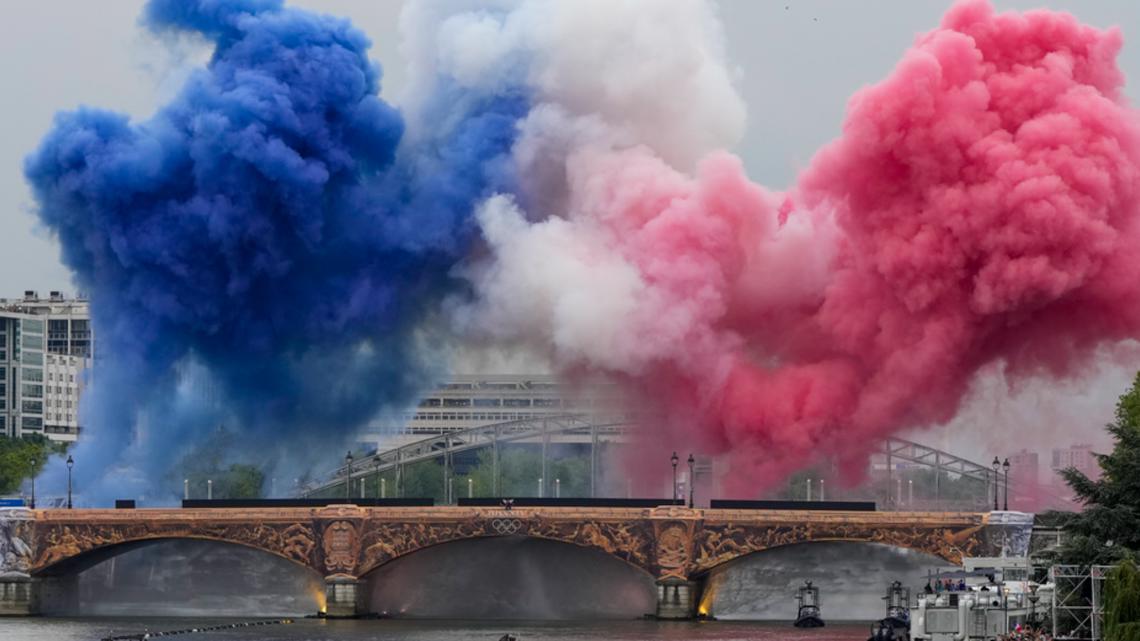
[
  {"x": 837, "y": 506},
  {"x": 254, "y": 503},
  {"x": 533, "y": 501}
]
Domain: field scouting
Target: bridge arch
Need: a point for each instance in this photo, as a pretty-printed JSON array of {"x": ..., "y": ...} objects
[
  {"x": 66, "y": 546},
  {"x": 851, "y": 575},
  {"x": 628, "y": 542},
  {"x": 510, "y": 577},
  {"x": 379, "y": 565},
  {"x": 722, "y": 543},
  {"x": 55, "y": 564}
]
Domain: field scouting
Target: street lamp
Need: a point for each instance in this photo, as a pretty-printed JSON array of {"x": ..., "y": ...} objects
[
  {"x": 348, "y": 477},
  {"x": 33, "y": 501},
  {"x": 691, "y": 478},
  {"x": 1005, "y": 466},
  {"x": 997, "y": 482},
  {"x": 70, "y": 464},
  {"x": 674, "y": 460}
]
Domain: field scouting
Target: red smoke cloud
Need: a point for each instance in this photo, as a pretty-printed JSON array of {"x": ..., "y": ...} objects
[
  {"x": 986, "y": 197},
  {"x": 980, "y": 206}
]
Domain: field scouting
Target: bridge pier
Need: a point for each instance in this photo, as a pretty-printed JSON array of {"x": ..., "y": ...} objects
[
  {"x": 677, "y": 598},
  {"x": 16, "y": 596},
  {"x": 346, "y": 597}
]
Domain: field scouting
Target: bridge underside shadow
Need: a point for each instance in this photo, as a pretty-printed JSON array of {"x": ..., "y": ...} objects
[
  {"x": 852, "y": 577},
  {"x": 180, "y": 577},
  {"x": 510, "y": 577}
]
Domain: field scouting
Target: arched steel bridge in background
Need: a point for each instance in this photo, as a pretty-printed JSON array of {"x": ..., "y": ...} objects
[{"x": 593, "y": 430}]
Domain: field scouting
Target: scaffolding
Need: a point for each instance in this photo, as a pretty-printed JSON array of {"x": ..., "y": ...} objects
[{"x": 1078, "y": 610}]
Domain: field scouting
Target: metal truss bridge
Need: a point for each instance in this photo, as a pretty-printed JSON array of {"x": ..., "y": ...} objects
[{"x": 593, "y": 430}]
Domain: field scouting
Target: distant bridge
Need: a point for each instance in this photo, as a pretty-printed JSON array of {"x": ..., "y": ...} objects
[
  {"x": 676, "y": 546},
  {"x": 592, "y": 430}
]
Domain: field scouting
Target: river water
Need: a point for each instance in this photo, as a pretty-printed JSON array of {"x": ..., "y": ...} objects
[{"x": 93, "y": 629}]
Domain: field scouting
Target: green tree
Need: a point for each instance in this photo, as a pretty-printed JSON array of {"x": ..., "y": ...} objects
[
  {"x": 1122, "y": 603},
  {"x": 424, "y": 480},
  {"x": 22, "y": 457},
  {"x": 208, "y": 463},
  {"x": 1107, "y": 530}
]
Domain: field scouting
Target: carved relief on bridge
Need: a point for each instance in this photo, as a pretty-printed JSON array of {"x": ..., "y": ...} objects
[
  {"x": 341, "y": 547},
  {"x": 720, "y": 543},
  {"x": 630, "y": 541},
  {"x": 674, "y": 549},
  {"x": 60, "y": 541}
]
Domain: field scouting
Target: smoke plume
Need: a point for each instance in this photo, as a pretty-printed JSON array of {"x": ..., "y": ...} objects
[
  {"x": 979, "y": 207},
  {"x": 563, "y": 187},
  {"x": 269, "y": 225}
]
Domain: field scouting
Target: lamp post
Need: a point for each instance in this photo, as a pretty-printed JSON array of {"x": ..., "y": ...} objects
[
  {"x": 674, "y": 460},
  {"x": 997, "y": 482},
  {"x": 1005, "y": 502},
  {"x": 348, "y": 476},
  {"x": 691, "y": 478},
  {"x": 70, "y": 464},
  {"x": 209, "y": 489},
  {"x": 33, "y": 501},
  {"x": 557, "y": 488}
]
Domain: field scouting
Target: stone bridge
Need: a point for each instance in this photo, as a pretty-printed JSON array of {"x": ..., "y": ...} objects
[{"x": 44, "y": 550}]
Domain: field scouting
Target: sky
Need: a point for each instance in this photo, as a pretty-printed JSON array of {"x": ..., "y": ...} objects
[{"x": 797, "y": 62}]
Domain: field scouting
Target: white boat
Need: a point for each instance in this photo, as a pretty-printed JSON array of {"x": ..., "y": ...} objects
[{"x": 990, "y": 597}]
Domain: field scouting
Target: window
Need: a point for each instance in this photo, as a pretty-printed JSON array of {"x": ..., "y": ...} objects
[
  {"x": 457, "y": 402},
  {"x": 3, "y": 373},
  {"x": 32, "y": 391},
  {"x": 516, "y": 402},
  {"x": 32, "y": 341},
  {"x": 487, "y": 402},
  {"x": 32, "y": 358},
  {"x": 546, "y": 402},
  {"x": 31, "y": 423},
  {"x": 32, "y": 375},
  {"x": 32, "y": 407},
  {"x": 70, "y": 378},
  {"x": 32, "y": 325}
]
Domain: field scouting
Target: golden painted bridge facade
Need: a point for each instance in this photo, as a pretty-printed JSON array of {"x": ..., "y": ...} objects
[{"x": 677, "y": 546}]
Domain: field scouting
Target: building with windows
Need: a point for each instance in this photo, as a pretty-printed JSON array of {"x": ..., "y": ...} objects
[
  {"x": 46, "y": 348},
  {"x": 1024, "y": 466},
  {"x": 466, "y": 401},
  {"x": 1080, "y": 457}
]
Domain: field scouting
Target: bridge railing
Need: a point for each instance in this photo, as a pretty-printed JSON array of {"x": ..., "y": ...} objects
[{"x": 900, "y": 457}]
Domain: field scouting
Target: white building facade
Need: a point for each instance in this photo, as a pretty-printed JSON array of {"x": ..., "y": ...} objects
[{"x": 46, "y": 350}]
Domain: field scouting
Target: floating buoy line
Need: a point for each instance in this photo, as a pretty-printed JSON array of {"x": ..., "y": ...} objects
[{"x": 212, "y": 628}]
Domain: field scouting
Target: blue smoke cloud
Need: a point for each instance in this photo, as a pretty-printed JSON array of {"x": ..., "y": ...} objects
[{"x": 270, "y": 227}]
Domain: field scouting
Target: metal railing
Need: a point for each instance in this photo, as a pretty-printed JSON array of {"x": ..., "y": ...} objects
[{"x": 444, "y": 446}]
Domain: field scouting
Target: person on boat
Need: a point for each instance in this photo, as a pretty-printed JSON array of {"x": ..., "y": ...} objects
[
  {"x": 928, "y": 589},
  {"x": 961, "y": 585}
]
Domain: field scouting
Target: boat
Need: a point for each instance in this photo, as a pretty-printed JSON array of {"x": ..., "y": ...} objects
[
  {"x": 896, "y": 625},
  {"x": 808, "y": 615},
  {"x": 984, "y": 600}
]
